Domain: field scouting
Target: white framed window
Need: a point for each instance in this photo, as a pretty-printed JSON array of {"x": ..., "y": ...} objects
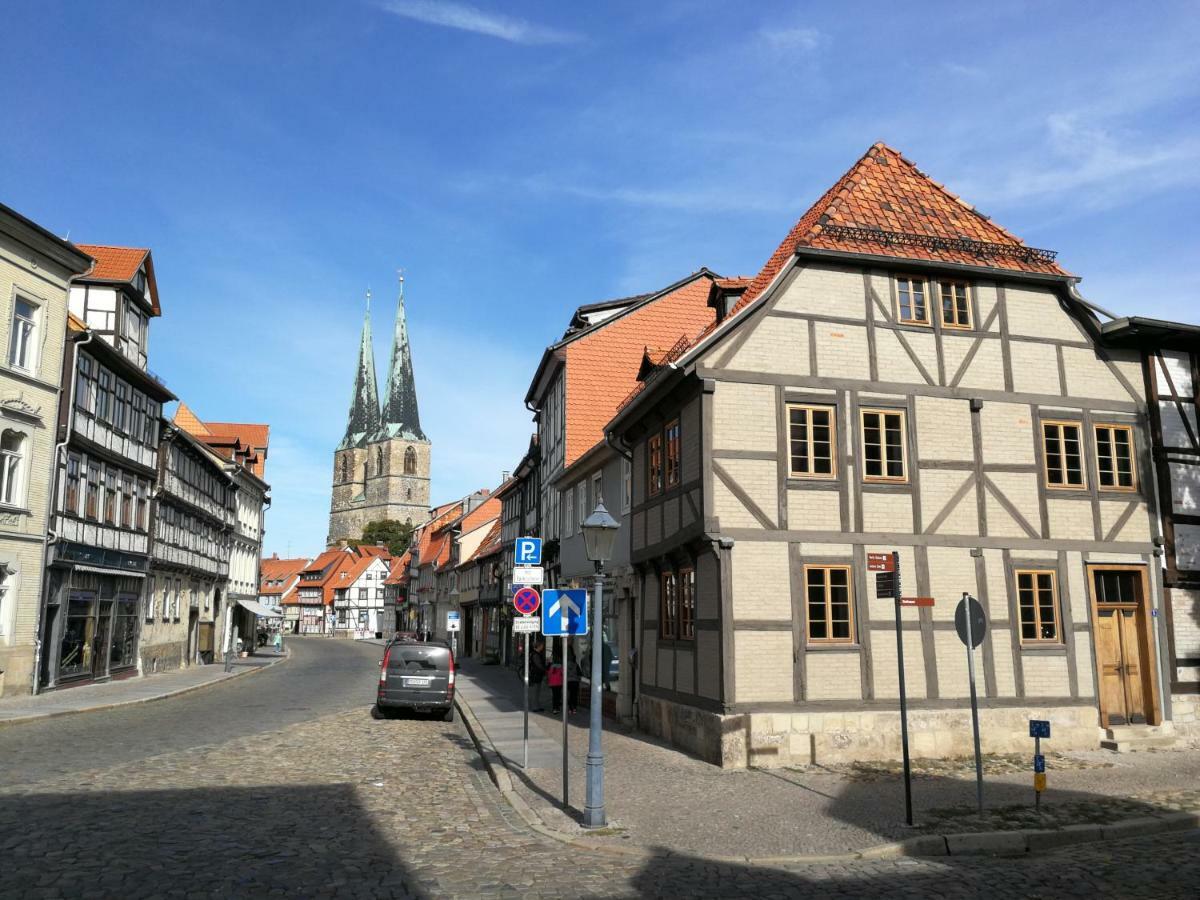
[
  {"x": 626, "y": 485},
  {"x": 568, "y": 510},
  {"x": 13, "y": 447},
  {"x": 23, "y": 342},
  {"x": 581, "y": 501},
  {"x": 8, "y": 593},
  {"x": 597, "y": 488}
]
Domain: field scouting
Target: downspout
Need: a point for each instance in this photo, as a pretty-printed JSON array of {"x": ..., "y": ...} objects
[{"x": 51, "y": 537}]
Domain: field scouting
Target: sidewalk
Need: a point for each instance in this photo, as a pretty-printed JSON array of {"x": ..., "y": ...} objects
[
  {"x": 660, "y": 798},
  {"x": 141, "y": 689}
]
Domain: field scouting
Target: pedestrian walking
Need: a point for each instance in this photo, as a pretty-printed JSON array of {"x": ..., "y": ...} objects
[
  {"x": 278, "y": 641},
  {"x": 537, "y": 672}
]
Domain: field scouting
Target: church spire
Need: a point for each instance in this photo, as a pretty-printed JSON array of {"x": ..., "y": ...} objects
[
  {"x": 400, "y": 415},
  {"x": 364, "y": 403}
]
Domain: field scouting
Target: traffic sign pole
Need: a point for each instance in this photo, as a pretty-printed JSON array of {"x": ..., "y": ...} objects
[
  {"x": 966, "y": 599},
  {"x": 562, "y": 696},
  {"x": 908, "y": 815},
  {"x": 525, "y": 744}
]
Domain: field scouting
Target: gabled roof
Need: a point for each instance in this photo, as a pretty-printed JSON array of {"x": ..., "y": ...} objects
[
  {"x": 885, "y": 206},
  {"x": 245, "y": 443},
  {"x": 398, "y": 570},
  {"x": 120, "y": 265},
  {"x": 489, "y": 545},
  {"x": 603, "y": 362},
  {"x": 288, "y": 571}
]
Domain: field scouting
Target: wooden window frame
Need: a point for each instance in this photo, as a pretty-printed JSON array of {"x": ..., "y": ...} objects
[
  {"x": 1114, "y": 427},
  {"x": 685, "y": 605},
  {"x": 668, "y": 606},
  {"x": 1062, "y": 453},
  {"x": 904, "y": 285},
  {"x": 1055, "y": 641},
  {"x": 672, "y": 460},
  {"x": 828, "y": 620},
  {"x": 862, "y": 423},
  {"x": 955, "y": 324},
  {"x": 654, "y": 464},
  {"x": 809, "y": 409}
]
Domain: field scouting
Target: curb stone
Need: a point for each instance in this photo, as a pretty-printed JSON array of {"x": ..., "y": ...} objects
[
  {"x": 994, "y": 843},
  {"x": 41, "y": 717}
]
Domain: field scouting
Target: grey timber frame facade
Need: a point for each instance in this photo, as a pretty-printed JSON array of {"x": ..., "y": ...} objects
[{"x": 975, "y": 511}]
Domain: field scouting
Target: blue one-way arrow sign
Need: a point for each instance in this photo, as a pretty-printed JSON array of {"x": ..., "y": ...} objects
[{"x": 564, "y": 613}]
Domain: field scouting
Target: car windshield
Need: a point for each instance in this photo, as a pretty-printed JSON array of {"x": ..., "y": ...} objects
[{"x": 415, "y": 659}]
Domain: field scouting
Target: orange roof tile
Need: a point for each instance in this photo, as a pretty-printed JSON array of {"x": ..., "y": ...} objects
[
  {"x": 884, "y": 191},
  {"x": 242, "y": 442},
  {"x": 190, "y": 422},
  {"x": 275, "y": 569},
  {"x": 602, "y": 365},
  {"x": 488, "y": 509}
]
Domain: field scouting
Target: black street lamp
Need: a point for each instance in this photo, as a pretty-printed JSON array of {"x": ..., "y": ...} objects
[{"x": 599, "y": 535}]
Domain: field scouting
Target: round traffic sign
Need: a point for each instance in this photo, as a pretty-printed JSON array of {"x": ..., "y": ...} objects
[
  {"x": 527, "y": 600},
  {"x": 978, "y": 621}
]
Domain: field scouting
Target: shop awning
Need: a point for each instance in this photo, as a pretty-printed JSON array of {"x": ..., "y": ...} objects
[{"x": 263, "y": 612}]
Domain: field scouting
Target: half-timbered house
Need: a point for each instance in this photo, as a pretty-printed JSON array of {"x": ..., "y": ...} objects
[{"x": 902, "y": 375}]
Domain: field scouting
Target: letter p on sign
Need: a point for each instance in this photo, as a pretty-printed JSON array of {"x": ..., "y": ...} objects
[{"x": 528, "y": 551}]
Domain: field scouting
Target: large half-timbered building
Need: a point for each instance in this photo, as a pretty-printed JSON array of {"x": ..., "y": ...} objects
[{"x": 903, "y": 374}]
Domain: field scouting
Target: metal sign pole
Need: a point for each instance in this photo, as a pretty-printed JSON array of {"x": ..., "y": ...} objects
[
  {"x": 908, "y": 814},
  {"x": 562, "y": 696},
  {"x": 974, "y": 706},
  {"x": 1037, "y": 795},
  {"x": 525, "y": 747}
]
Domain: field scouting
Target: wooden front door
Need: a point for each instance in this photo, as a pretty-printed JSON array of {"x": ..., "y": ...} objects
[{"x": 1124, "y": 647}]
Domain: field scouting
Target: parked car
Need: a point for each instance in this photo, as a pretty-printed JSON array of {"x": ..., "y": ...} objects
[{"x": 415, "y": 676}]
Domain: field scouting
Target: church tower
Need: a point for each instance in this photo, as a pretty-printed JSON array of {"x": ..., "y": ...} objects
[{"x": 381, "y": 467}]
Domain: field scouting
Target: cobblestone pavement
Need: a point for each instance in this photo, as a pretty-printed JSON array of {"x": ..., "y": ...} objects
[
  {"x": 321, "y": 676},
  {"x": 342, "y": 805}
]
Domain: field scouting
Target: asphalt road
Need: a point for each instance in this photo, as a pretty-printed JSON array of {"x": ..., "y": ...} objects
[{"x": 321, "y": 677}]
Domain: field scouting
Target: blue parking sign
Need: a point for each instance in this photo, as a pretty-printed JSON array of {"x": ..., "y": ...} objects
[{"x": 528, "y": 551}]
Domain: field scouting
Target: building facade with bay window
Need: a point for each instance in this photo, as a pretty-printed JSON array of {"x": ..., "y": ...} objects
[
  {"x": 98, "y": 554},
  {"x": 35, "y": 271}
]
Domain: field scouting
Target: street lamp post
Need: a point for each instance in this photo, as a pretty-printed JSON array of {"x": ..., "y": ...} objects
[{"x": 599, "y": 534}]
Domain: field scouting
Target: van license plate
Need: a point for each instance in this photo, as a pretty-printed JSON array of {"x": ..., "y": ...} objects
[{"x": 409, "y": 681}]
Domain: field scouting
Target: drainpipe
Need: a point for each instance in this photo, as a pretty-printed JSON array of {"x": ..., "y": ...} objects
[{"x": 51, "y": 537}]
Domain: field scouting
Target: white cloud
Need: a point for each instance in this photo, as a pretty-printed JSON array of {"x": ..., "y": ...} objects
[
  {"x": 470, "y": 18},
  {"x": 805, "y": 40}
]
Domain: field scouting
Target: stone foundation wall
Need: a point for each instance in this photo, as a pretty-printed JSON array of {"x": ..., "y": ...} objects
[
  {"x": 168, "y": 657},
  {"x": 1185, "y": 715},
  {"x": 798, "y": 738}
]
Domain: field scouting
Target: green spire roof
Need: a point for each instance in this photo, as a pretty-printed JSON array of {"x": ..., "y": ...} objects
[
  {"x": 364, "y": 402},
  {"x": 400, "y": 415}
]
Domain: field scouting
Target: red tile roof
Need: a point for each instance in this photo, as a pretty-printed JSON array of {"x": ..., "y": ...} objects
[
  {"x": 884, "y": 191},
  {"x": 245, "y": 443},
  {"x": 275, "y": 569},
  {"x": 602, "y": 365},
  {"x": 114, "y": 263}
]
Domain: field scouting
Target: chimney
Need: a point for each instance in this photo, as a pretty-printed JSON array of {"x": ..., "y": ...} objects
[{"x": 504, "y": 475}]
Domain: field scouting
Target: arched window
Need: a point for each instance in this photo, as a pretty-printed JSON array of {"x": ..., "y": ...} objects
[
  {"x": 378, "y": 460},
  {"x": 345, "y": 468},
  {"x": 410, "y": 461},
  {"x": 12, "y": 458}
]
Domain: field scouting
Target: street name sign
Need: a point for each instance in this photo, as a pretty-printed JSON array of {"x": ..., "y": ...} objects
[
  {"x": 564, "y": 613},
  {"x": 526, "y": 601},
  {"x": 916, "y": 601},
  {"x": 528, "y": 575},
  {"x": 526, "y": 625},
  {"x": 528, "y": 552},
  {"x": 885, "y": 585},
  {"x": 453, "y": 620},
  {"x": 880, "y": 562}
]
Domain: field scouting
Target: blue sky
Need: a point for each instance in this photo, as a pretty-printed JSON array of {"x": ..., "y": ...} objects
[{"x": 519, "y": 159}]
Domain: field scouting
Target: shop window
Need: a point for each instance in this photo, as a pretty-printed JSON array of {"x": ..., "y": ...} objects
[
  {"x": 884, "y": 456},
  {"x": 911, "y": 297},
  {"x": 1037, "y": 606},
  {"x": 956, "y": 304},
  {"x": 1115, "y": 470},
  {"x": 1063, "y": 447},
  {"x": 123, "y": 647},
  {"x": 76, "y": 651},
  {"x": 812, "y": 438},
  {"x": 13, "y": 446},
  {"x": 829, "y": 604}
]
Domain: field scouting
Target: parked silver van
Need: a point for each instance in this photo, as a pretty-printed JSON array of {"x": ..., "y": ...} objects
[{"x": 416, "y": 676}]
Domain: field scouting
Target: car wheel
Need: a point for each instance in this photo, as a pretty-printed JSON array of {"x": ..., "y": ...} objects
[
  {"x": 377, "y": 712},
  {"x": 448, "y": 715}
]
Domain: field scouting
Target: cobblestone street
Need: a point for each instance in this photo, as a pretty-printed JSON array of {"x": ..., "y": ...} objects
[{"x": 341, "y": 805}]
